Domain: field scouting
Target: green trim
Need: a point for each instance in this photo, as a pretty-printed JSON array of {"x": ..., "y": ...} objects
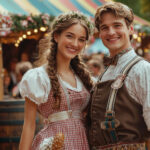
[
  {"x": 11, "y": 102},
  {"x": 14, "y": 122},
  {"x": 11, "y": 110},
  {"x": 9, "y": 139}
]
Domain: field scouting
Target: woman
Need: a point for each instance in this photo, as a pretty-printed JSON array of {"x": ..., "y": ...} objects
[{"x": 60, "y": 87}]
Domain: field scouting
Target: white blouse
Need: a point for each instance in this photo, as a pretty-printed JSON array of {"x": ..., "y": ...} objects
[
  {"x": 36, "y": 86},
  {"x": 137, "y": 81}
]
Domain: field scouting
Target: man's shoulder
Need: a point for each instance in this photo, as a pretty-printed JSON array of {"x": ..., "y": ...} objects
[{"x": 140, "y": 68}]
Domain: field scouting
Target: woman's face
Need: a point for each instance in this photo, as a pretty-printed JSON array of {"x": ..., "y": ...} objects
[{"x": 71, "y": 41}]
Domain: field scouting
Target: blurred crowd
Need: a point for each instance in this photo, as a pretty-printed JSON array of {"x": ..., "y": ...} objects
[
  {"x": 16, "y": 70},
  {"x": 14, "y": 74}
]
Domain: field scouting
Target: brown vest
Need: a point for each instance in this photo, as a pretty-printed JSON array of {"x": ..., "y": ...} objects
[{"x": 132, "y": 127}]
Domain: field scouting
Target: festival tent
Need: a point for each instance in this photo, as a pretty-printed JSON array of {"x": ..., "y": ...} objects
[
  {"x": 55, "y": 7},
  {"x": 50, "y": 7}
]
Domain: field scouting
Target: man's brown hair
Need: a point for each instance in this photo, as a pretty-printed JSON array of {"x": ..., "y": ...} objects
[{"x": 116, "y": 8}]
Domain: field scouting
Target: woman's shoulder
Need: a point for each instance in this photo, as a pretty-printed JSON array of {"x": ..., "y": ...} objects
[
  {"x": 35, "y": 85},
  {"x": 38, "y": 71}
]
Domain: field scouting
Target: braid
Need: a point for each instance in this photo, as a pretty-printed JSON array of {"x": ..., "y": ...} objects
[
  {"x": 80, "y": 69},
  {"x": 60, "y": 24},
  {"x": 52, "y": 73}
]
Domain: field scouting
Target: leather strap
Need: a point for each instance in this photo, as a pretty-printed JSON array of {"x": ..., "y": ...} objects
[{"x": 111, "y": 123}]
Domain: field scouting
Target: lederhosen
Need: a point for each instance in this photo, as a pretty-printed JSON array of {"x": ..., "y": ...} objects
[{"x": 116, "y": 118}]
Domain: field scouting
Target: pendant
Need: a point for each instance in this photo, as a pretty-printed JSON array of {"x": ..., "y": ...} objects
[{"x": 118, "y": 82}]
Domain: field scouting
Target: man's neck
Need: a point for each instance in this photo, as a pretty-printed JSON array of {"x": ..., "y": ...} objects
[{"x": 120, "y": 52}]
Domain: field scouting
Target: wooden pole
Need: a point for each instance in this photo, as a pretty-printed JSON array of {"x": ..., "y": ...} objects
[{"x": 1, "y": 74}]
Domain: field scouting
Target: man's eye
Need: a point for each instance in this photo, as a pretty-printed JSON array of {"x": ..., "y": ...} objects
[
  {"x": 117, "y": 25},
  {"x": 82, "y": 40}
]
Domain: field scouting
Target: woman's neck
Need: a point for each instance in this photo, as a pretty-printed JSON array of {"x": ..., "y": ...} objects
[{"x": 63, "y": 65}]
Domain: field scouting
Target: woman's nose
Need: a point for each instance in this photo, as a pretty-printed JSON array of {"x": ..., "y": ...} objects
[{"x": 75, "y": 42}]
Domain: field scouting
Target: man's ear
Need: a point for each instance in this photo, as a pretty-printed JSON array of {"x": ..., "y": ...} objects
[{"x": 131, "y": 29}]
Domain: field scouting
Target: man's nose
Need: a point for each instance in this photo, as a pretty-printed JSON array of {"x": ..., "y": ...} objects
[{"x": 111, "y": 31}]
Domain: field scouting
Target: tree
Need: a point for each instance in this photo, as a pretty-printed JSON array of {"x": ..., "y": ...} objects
[
  {"x": 140, "y": 7},
  {"x": 145, "y": 8}
]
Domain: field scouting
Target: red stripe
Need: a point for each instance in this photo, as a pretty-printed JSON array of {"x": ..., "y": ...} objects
[
  {"x": 91, "y": 4},
  {"x": 141, "y": 21},
  {"x": 68, "y": 5}
]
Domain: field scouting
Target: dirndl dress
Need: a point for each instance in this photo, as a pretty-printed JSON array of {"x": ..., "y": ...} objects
[{"x": 73, "y": 129}]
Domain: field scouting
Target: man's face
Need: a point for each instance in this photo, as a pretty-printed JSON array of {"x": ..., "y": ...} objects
[{"x": 114, "y": 33}]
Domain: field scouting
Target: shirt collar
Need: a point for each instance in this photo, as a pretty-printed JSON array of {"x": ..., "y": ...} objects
[{"x": 125, "y": 58}]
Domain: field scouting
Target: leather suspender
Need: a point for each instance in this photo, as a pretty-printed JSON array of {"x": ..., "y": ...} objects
[{"x": 111, "y": 123}]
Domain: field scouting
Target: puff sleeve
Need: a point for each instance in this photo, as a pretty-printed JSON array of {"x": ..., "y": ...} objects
[{"x": 35, "y": 85}]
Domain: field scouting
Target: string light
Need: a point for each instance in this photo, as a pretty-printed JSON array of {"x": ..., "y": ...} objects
[
  {"x": 20, "y": 38},
  {"x": 24, "y": 36},
  {"x": 43, "y": 29},
  {"x": 35, "y": 30},
  {"x": 18, "y": 42},
  {"x": 140, "y": 34},
  {"x": 135, "y": 36},
  {"x": 16, "y": 45},
  {"x": 28, "y": 32},
  {"x": 139, "y": 39}
]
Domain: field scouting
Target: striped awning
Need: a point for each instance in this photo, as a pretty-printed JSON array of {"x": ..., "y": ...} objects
[{"x": 54, "y": 7}]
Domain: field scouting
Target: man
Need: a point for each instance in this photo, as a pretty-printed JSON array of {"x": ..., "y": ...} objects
[{"x": 120, "y": 107}]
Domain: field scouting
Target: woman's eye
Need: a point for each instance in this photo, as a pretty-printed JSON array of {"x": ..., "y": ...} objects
[{"x": 69, "y": 36}]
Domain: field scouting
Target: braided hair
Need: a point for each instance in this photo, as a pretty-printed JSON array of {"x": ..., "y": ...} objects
[{"x": 61, "y": 23}]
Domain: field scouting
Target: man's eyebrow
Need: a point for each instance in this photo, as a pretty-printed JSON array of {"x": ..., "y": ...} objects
[
  {"x": 115, "y": 22},
  {"x": 103, "y": 25}
]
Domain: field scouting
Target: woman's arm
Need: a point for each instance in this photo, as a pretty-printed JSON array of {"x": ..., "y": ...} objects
[{"x": 29, "y": 125}]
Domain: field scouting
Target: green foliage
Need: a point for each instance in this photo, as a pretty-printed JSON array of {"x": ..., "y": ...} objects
[
  {"x": 140, "y": 7},
  {"x": 24, "y": 23},
  {"x": 145, "y": 8}
]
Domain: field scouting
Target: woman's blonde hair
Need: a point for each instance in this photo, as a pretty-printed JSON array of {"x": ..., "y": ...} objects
[{"x": 61, "y": 23}]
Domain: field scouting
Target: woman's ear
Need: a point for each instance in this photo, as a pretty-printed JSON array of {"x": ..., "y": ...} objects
[{"x": 56, "y": 37}]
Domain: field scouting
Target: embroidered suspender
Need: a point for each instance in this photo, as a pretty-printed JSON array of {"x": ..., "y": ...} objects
[{"x": 110, "y": 124}]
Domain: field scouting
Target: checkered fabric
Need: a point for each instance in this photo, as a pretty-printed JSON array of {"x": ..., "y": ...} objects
[{"x": 73, "y": 129}]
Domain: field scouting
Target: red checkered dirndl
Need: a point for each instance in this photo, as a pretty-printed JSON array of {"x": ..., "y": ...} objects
[{"x": 73, "y": 129}]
